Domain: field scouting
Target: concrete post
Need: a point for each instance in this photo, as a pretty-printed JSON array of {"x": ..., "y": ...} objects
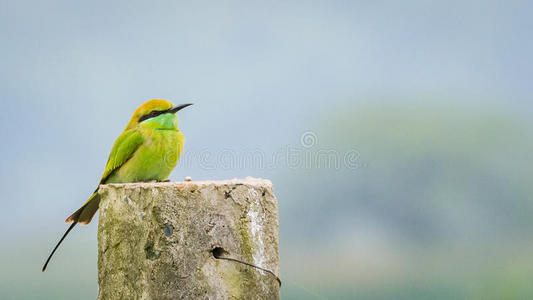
[{"x": 188, "y": 240}]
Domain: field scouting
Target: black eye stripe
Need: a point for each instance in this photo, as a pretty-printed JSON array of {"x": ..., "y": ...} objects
[{"x": 152, "y": 114}]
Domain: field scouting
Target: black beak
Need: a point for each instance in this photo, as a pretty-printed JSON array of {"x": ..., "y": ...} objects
[{"x": 178, "y": 108}]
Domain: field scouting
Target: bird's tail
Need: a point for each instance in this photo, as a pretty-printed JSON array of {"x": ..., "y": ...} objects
[
  {"x": 59, "y": 243},
  {"x": 85, "y": 214},
  {"x": 82, "y": 216}
]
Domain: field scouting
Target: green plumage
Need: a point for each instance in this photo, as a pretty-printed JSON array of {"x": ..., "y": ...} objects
[{"x": 148, "y": 149}]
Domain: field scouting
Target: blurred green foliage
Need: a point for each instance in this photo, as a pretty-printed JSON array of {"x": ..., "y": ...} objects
[{"x": 440, "y": 207}]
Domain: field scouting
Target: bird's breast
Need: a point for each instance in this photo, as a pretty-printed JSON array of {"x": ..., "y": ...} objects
[{"x": 156, "y": 157}]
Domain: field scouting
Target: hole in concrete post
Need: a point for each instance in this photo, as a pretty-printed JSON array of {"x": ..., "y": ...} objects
[{"x": 218, "y": 252}]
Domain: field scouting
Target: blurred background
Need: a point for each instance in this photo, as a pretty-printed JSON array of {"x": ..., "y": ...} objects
[{"x": 398, "y": 135}]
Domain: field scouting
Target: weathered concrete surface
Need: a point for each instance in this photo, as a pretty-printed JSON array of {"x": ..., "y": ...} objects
[{"x": 155, "y": 240}]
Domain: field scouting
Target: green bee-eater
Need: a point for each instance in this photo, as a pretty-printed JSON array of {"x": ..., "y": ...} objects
[{"x": 148, "y": 149}]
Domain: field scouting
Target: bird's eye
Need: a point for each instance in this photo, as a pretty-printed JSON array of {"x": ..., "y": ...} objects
[{"x": 152, "y": 114}]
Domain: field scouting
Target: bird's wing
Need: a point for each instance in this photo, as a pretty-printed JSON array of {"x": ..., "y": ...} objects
[
  {"x": 124, "y": 148},
  {"x": 125, "y": 145}
]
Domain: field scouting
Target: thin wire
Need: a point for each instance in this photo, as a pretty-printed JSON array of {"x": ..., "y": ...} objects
[
  {"x": 251, "y": 265},
  {"x": 271, "y": 273}
]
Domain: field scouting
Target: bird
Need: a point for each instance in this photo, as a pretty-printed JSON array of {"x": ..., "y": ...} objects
[{"x": 147, "y": 150}]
